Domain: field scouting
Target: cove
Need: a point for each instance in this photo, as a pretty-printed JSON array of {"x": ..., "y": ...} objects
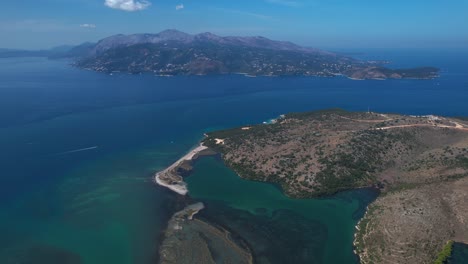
[{"x": 279, "y": 229}]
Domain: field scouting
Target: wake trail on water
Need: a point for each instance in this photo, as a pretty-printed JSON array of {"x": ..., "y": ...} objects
[{"x": 76, "y": 150}]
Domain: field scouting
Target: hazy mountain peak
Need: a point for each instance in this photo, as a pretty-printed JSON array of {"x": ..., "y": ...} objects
[{"x": 173, "y": 34}]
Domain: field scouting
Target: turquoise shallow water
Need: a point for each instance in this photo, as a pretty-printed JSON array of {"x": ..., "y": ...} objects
[
  {"x": 333, "y": 219},
  {"x": 61, "y": 205}
]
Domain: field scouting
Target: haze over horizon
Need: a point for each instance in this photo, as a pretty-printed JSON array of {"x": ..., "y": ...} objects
[{"x": 320, "y": 24}]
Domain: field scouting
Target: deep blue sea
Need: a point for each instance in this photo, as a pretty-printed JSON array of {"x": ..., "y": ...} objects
[{"x": 79, "y": 148}]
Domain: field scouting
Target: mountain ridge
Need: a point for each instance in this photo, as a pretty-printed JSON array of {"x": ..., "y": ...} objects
[
  {"x": 172, "y": 52},
  {"x": 121, "y": 40}
]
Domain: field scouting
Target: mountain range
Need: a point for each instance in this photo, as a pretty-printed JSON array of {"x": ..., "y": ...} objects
[{"x": 172, "y": 52}]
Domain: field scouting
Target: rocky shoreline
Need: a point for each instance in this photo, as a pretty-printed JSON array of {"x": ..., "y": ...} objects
[{"x": 412, "y": 225}]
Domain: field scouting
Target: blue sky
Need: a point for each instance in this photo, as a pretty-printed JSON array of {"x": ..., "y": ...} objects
[{"x": 328, "y": 24}]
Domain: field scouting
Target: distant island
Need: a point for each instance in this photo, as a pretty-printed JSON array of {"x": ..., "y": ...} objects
[
  {"x": 172, "y": 52},
  {"x": 420, "y": 164}
]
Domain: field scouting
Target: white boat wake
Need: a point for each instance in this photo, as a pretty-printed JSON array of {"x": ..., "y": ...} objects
[{"x": 76, "y": 150}]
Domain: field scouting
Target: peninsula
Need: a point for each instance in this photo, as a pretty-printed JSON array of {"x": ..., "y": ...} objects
[
  {"x": 420, "y": 163},
  {"x": 172, "y": 52},
  {"x": 171, "y": 178}
]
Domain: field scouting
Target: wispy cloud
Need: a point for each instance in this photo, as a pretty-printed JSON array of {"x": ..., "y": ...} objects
[
  {"x": 179, "y": 7},
  {"x": 128, "y": 5},
  {"x": 88, "y": 26},
  {"x": 289, "y": 3}
]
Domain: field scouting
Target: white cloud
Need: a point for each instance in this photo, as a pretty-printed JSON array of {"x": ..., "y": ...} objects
[
  {"x": 128, "y": 5},
  {"x": 88, "y": 26},
  {"x": 179, "y": 7}
]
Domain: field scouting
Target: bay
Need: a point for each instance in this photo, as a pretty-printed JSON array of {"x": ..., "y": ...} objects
[
  {"x": 280, "y": 229},
  {"x": 79, "y": 150}
]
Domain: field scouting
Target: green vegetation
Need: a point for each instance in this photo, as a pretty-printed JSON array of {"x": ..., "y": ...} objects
[
  {"x": 462, "y": 161},
  {"x": 445, "y": 253}
]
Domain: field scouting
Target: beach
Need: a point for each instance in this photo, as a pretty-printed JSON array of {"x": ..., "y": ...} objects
[{"x": 169, "y": 177}]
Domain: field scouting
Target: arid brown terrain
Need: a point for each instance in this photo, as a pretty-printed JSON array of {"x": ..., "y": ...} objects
[
  {"x": 419, "y": 162},
  {"x": 412, "y": 226}
]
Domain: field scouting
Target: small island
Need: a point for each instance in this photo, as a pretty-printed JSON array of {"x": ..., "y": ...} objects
[{"x": 420, "y": 164}]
